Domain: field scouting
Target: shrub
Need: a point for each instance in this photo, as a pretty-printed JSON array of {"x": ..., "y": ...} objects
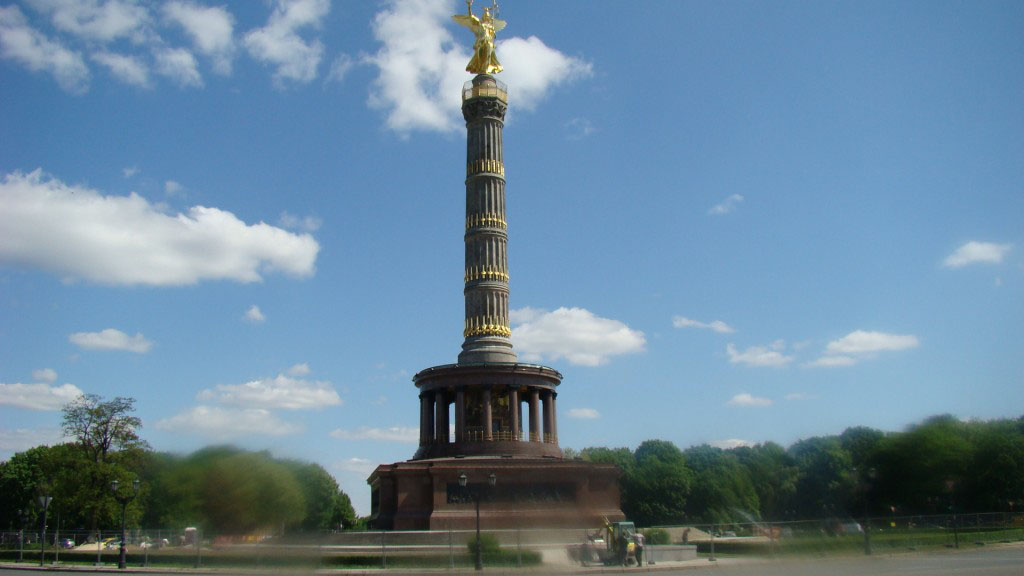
[
  {"x": 488, "y": 543},
  {"x": 656, "y": 536}
]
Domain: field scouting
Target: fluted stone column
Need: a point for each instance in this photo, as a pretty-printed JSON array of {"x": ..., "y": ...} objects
[
  {"x": 546, "y": 401},
  {"x": 487, "y": 329},
  {"x": 513, "y": 412},
  {"x": 424, "y": 432},
  {"x": 535, "y": 416},
  {"x": 554, "y": 418},
  {"x": 488, "y": 424},
  {"x": 460, "y": 415},
  {"x": 430, "y": 418},
  {"x": 440, "y": 418}
]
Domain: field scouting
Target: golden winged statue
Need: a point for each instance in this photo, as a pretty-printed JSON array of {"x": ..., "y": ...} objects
[{"x": 484, "y": 61}]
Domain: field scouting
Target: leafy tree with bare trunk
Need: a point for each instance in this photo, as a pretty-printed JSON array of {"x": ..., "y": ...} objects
[{"x": 105, "y": 434}]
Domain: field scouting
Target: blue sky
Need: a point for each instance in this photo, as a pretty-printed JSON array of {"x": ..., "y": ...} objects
[{"x": 730, "y": 222}]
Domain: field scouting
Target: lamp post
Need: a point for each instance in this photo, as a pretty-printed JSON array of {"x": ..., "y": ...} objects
[
  {"x": 23, "y": 516},
  {"x": 872, "y": 474},
  {"x": 123, "y": 500},
  {"x": 492, "y": 479},
  {"x": 44, "y": 503}
]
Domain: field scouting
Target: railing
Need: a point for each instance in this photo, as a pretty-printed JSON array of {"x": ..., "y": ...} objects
[
  {"x": 476, "y": 434},
  {"x": 497, "y": 90}
]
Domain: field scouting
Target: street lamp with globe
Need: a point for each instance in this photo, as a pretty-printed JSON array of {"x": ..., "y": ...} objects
[
  {"x": 123, "y": 499},
  {"x": 492, "y": 479},
  {"x": 23, "y": 516},
  {"x": 44, "y": 503}
]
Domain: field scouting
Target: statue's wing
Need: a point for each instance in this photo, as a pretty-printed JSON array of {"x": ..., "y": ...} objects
[
  {"x": 498, "y": 24},
  {"x": 464, "y": 20}
]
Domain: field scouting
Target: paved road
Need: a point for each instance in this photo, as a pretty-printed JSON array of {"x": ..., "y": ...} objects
[
  {"x": 990, "y": 561},
  {"x": 1004, "y": 560}
]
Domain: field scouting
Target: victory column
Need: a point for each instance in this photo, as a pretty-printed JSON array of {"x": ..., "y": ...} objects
[{"x": 486, "y": 389}]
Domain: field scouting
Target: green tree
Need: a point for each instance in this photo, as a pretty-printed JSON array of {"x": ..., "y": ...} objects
[
  {"x": 773, "y": 475},
  {"x": 722, "y": 488},
  {"x": 825, "y": 479},
  {"x": 861, "y": 443},
  {"x": 923, "y": 470},
  {"x": 106, "y": 437},
  {"x": 658, "y": 485},
  {"x": 100, "y": 427},
  {"x": 997, "y": 467},
  {"x": 20, "y": 479},
  {"x": 327, "y": 507}
]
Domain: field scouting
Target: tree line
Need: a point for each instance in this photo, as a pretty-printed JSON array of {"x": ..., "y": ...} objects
[
  {"x": 220, "y": 489},
  {"x": 939, "y": 466}
]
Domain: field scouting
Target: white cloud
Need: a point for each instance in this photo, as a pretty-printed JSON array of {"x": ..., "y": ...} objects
[
  {"x": 340, "y": 68},
  {"x": 80, "y": 234},
  {"x": 41, "y": 397},
  {"x": 832, "y": 362},
  {"x": 211, "y": 29},
  {"x": 279, "y": 44},
  {"x": 745, "y": 399},
  {"x": 127, "y": 69},
  {"x": 977, "y": 253},
  {"x": 31, "y": 48},
  {"x": 421, "y": 67},
  {"x": 714, "y": 326},
  {"x": 865, "y": 342},
  {"x": 306, "y": 224},
  {"x": 111, "y": 339},
  {"x": 583, "y": 414},
  {"x": 281, "y": 392},
  {"x": 299, "y": 370},
  {"x": 255, "y": 315},
  {"x": 129, "y": 172},
  {"x": 726, "y": 206},
  {"x": 359, "y": 466},
  {"x": 860, "y": 344},
  {"x": 730, "y": 443},
  {"x": 179, "y": 65},
  {"x": 96, "y": 20},
  {"x": 21, "y": 439},
  {"x": 421, "y": 70},
  {"x": 532, "y": 69},
  {"x": 173, "y": 188},
  {"x": 226, "y": 423},
  {"x": 796, "y": 397},
  {"x": 575, "y": 334},
  {"x": 759, "y": 355},
  {"x": 395, "y": 434},
  {"x": 45, "y": 375},
  {"x": 579, "y": 128}
]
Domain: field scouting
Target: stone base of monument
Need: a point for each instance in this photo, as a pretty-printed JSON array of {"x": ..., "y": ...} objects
[{"x": 527, "y": 493}]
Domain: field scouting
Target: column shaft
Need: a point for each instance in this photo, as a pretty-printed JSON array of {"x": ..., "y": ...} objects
[
  {"x": 424, "y": 435},
  {"x": 430, "y": 417},
  {"x": 513, "y": 412},
  {"x": 440, "y": 418},
  {"x": 554, "y": 417},
  {"x": 460, "y": 415},
  {"x": 546, "y": 400},
  {"x": 535, "y": 415},
  {"x": 485, "y": 395}
]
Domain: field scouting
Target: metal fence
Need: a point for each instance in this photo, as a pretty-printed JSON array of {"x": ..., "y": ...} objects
[
  {"x": 449, "y": 548},
  {"x": 876, "y": 534}
]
